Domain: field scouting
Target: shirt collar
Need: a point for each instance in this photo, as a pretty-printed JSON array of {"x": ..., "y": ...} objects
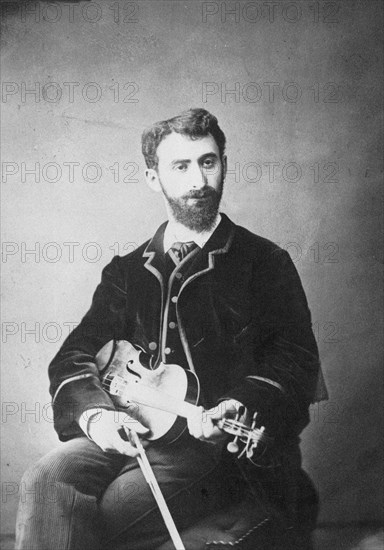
[{"x": 175, "y": 232}]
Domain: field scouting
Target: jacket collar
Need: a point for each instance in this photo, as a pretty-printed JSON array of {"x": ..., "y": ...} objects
[
  {"x": 221, "y": 239},
  {"x": 219, "y": 243},
  {"x": 175, "y": 233},
  {"x": 154, "y": 252}
]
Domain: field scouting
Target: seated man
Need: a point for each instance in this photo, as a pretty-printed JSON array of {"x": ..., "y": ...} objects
[{"x": 215, "y": 299}]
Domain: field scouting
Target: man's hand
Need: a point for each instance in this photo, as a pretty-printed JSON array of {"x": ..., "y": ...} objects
[
  {"x": 202, "y": 424},
  {"x": 106, "y": 429}
]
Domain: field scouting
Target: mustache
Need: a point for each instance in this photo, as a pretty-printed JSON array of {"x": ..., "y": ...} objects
[{"x": 200, "y": 194}]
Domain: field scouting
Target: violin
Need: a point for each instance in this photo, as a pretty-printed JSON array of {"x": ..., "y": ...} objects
[{"x": 162, "y": 398}]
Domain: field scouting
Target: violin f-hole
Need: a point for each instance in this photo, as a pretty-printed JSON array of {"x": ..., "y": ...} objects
[{"x": 134, "y": 373}]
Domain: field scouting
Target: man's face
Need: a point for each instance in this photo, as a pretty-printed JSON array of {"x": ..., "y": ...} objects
[{"x": 190, "y": 173}]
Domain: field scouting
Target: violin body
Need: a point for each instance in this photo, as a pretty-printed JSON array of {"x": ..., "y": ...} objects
[
  {"x": 162, "y": 398},
  {"x": 132, "y": 386}
]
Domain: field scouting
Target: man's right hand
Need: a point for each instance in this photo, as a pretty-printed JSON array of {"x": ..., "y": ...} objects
[{"x": 106, "y": 428}]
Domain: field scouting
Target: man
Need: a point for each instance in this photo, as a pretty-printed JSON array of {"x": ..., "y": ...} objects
[{"x": 213, "y": 298}]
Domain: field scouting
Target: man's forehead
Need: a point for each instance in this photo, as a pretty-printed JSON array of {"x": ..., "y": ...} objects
[{"x": 179, "y": 146}]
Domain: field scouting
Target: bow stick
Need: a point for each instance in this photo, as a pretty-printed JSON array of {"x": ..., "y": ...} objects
[{"x": 152, "y": 482}]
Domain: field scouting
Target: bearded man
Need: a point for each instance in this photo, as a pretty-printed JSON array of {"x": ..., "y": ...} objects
[{"x": 217, "y": 300}]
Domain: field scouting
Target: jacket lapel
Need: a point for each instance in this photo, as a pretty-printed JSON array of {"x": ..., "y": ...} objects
[
  {"x": 219, "y": 243},
  {"x": 154, "y": 253}
]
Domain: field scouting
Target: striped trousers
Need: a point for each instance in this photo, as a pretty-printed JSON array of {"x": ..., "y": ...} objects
[{"x": 79, "y": 498}]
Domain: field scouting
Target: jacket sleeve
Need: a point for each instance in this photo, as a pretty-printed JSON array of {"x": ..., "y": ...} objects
[
  {"x": 74, "y": 379},
  {"x": 282, "y": 361}
]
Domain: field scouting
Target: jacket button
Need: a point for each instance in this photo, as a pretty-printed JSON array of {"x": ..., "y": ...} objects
[
  {"x": 174, "y": 299},
  {"x": 167, "y": 351},
  {"x": 178, "y": 275},
  {"x": 172, "y": 325},
  {"x": 152, "y": 346}
]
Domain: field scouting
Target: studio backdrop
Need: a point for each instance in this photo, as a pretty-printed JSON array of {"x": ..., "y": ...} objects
[{"x": 296, "y": 88}]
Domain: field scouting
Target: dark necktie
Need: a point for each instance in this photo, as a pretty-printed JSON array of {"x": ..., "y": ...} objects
[{"x": 180, "y": 250}]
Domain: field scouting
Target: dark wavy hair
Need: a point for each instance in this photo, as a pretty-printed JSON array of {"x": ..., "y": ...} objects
[{"x": 194, "y": 123}]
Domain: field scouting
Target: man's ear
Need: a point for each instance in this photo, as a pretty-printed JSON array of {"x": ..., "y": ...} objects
[
  {"x": 225, "y": 165},
  {"x": 152, "y": 179}
]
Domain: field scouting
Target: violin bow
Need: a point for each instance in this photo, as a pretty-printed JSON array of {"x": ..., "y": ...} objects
[{"x": 152, "y": 482}]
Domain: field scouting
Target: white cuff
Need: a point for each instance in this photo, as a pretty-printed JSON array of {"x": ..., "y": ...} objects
[{"x": 87, "y": 417}]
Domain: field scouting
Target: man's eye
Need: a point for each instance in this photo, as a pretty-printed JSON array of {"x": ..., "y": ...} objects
[
  {"x": 209, "y": 163},
  {"x": 181, "y": 167}
]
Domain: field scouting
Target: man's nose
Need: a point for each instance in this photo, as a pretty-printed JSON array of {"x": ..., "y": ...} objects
[{"x": 198, "y": 177}]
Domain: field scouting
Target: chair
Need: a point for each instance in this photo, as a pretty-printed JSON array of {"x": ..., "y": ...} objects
[{"x": 251, "y": 524}]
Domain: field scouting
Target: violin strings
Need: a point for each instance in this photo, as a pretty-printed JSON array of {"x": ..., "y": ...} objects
[
  {"x": 233, "y": 424},
  {"x": 238, "y": 429}
]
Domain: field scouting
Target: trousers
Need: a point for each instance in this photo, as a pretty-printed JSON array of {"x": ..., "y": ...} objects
[{"x": 78, "y": 497}]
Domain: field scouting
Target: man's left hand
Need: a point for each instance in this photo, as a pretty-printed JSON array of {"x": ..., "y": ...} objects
[{"x": 202, "y": 424}]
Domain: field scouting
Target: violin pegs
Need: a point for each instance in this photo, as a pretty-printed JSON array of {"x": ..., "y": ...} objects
[
  {"x": 254, "y": 421},
  {"x": 232, "y": 447}
]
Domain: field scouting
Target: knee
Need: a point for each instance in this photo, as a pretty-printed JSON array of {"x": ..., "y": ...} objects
[
  {"x": 36, "y": 476},
  {"x": 72, "y": 466},
  {"x": 39, "y": 482},
  {"x": 51, "y": 469}
]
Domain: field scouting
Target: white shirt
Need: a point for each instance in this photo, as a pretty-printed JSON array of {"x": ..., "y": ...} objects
[{"x": 175, "y": 232}]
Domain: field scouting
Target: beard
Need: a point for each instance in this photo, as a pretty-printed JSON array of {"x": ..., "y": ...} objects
[{"x": 196, "y": 210}]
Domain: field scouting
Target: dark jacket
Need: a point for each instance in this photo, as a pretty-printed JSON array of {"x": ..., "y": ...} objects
[{"x": 243, "y": 321}]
